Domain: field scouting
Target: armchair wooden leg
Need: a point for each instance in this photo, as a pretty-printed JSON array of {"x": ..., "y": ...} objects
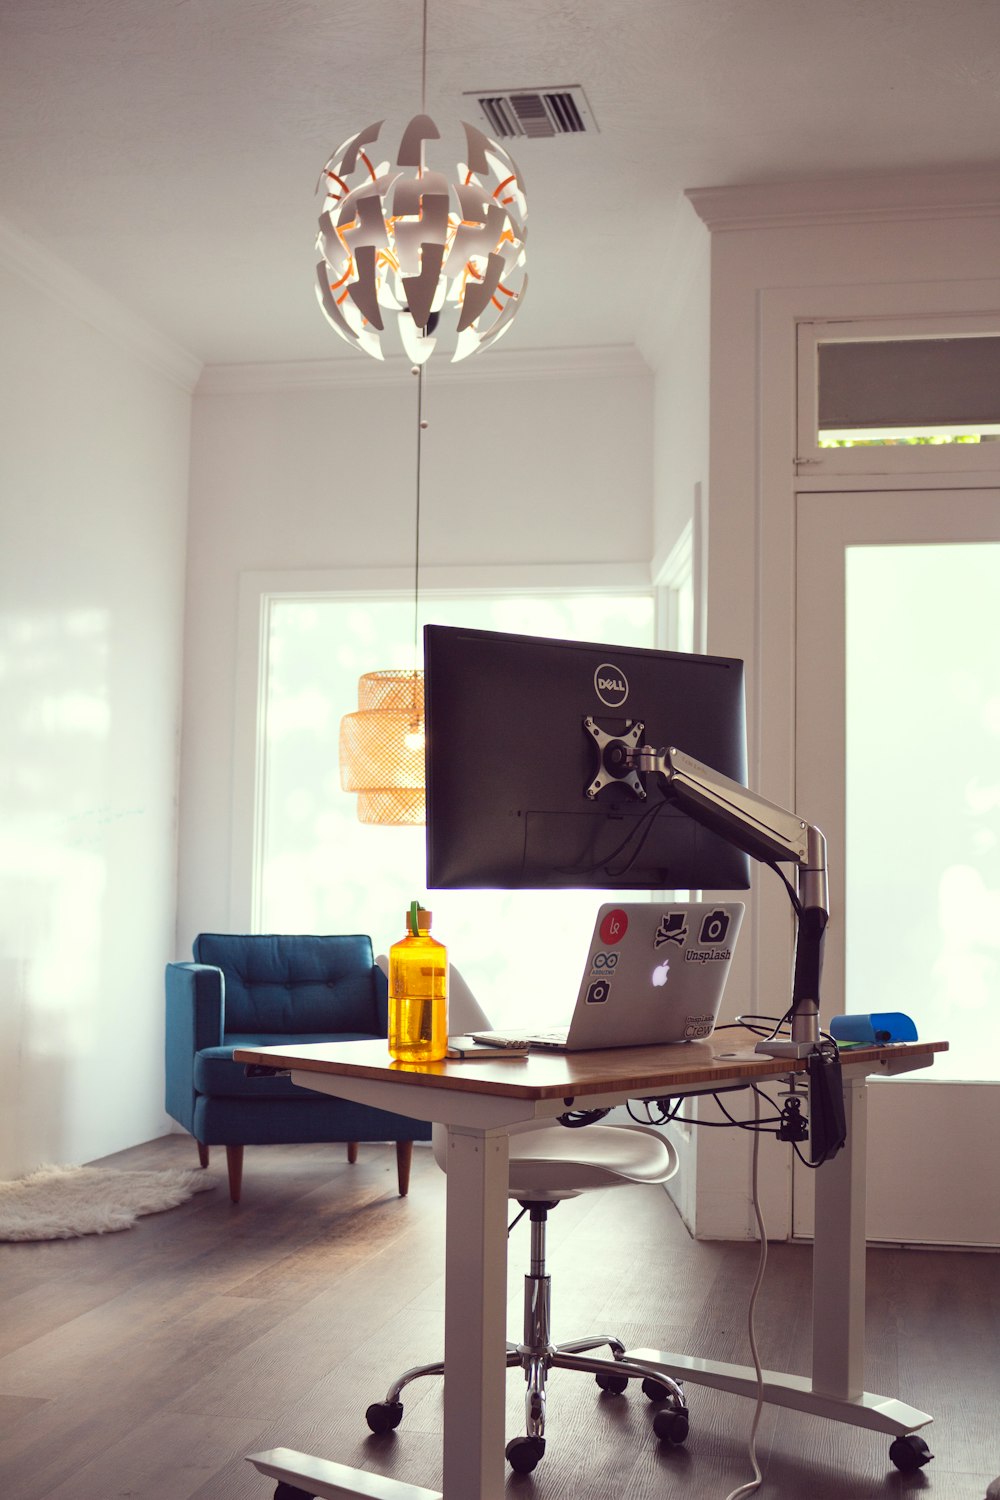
[
  {"x": 234, "y": 1161},
  {"x": 352, "y": 1152},
  {"x": 203, "y": 1154},
  {"x": 404, "y": 1156}
]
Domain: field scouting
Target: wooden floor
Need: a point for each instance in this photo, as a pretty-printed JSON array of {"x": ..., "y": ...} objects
[{"x": 145, "y": 1365}]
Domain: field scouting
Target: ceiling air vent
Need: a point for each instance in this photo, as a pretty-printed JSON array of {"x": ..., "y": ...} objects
[{"x": 535, "y": 112}]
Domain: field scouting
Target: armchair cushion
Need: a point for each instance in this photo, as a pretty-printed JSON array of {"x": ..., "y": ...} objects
[
  {"x": 216, "y": 1073},
  {"x": 296, "y": 985}
]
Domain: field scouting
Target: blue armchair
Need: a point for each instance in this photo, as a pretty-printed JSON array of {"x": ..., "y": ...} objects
[{"x": 268, "y": 991}]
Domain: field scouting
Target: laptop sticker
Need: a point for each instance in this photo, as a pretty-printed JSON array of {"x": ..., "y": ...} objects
[
  {"x": 614, "y": 926},
  {"x": 672, "y": 929}
]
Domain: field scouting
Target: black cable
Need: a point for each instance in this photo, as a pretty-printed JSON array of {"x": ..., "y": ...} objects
[
  {"x": 812, "y": 1165},
  {"x": 576, "y": 1119},
  {"x": 670, "y": 1114},
  {"x": 760, "y": 1025},
  {"x": 516, "y": 1220},
  {"x": 792, "y": 892},
  {"x": 645, "y": 824},
  {"x": 640, "y": 825}
]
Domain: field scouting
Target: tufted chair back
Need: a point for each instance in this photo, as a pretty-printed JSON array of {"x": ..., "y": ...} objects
[{"x": 295, "y": 984}]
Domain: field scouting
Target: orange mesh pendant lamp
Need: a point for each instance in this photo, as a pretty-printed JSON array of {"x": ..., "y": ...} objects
[{"x": 382, "y": 748}]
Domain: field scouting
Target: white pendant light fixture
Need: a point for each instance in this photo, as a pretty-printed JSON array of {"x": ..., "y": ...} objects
[
  {"x": 438, "y": 254},
  {"x": 442, "y": 259}
]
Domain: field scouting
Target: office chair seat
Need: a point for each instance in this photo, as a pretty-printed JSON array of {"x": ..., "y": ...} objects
[{"x": 550, "y": 1162}]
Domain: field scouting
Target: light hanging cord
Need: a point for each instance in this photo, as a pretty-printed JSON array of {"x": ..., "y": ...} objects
[
  {"x": 382, "y": 743},
  {"x": 423, "y": 65},
  {"x": 421, "y": 424}
]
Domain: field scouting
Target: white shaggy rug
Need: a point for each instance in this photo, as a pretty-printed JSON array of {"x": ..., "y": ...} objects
[{"x": 60, "y": 1203}]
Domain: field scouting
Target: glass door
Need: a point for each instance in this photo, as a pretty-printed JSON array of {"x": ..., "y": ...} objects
[{"x": 898, "y": 760}]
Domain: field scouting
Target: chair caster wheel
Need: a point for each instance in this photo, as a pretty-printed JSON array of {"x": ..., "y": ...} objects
[
  {"x": 383, "y": 1416},
  {"x": 671, "y": 1425},
  {"x": 291, "y": 1492},
  {"x": 523, "y": 1453},
  {"x": 909, "y": 1453},
  {"x": 654, "y": 1390},
  {"x": 614, "y": 1384}
]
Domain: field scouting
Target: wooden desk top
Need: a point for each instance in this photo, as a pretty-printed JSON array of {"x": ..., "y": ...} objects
[{"x": 684, "y": 1068}]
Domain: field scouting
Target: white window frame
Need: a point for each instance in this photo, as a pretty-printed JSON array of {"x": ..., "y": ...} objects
[
  {"x": 811, "y": 460},
  {"x": 680, "y": 575},
  {"x": 259, "y": 591}
]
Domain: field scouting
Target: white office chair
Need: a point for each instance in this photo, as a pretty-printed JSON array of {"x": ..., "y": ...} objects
[{"x": 547, "y": 1164}]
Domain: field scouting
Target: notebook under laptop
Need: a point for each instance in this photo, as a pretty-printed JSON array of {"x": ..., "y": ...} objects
[{"x": 655, "y": 974}]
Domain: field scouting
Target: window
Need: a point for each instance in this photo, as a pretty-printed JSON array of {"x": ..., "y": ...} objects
[
  {"x": 317, "y": 869},
  {"x": 884, "y": 397}
]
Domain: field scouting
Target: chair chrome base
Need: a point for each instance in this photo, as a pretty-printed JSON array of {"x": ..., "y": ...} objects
[{"x": 537, "y": 1355}]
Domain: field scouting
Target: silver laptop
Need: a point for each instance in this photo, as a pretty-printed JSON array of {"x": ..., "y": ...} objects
[{"x": 655, "y": 974}]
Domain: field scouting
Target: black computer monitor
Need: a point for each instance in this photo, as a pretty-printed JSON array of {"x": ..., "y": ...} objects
[{"x": 521, "y": 728}]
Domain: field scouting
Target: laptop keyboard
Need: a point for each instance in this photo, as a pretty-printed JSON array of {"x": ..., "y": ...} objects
[{"x": 508, "y": 1039}]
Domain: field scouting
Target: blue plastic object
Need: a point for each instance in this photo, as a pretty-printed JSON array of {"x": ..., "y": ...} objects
[{"x": 875, "y": 1029}]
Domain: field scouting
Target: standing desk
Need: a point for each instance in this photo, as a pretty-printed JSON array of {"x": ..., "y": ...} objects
[{"x": 478, "y": 1102}]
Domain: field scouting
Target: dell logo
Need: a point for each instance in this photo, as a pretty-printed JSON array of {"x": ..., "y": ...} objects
[{"x": 611, "y": 684}]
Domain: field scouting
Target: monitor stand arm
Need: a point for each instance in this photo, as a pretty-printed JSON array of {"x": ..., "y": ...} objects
[{"x": 771, "y": 835}]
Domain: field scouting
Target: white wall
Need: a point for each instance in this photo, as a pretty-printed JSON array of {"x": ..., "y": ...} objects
[
  {"x": 93, "y": 479},
  {"x": 526, "y": 460},
  {"x": 676, "y": 344}
]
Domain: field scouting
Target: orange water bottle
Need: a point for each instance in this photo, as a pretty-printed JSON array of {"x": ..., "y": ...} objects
[{"x": 418, "y": 992}]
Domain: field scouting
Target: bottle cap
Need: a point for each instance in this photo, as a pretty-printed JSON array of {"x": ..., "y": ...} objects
[{"x": 418, "y": 916}]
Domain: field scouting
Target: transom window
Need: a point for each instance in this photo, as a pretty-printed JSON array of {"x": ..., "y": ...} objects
[{"x": 891, "y": 396}]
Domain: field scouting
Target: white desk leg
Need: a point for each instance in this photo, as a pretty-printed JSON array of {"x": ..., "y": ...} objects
[
  {"x": 475, "y": 1325},
  {"x": 835, "y": 1389},
  {"x": 838, "y": 1306}
]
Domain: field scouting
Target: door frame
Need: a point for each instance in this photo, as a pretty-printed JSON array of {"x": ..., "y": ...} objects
[{"x": 751, "y": 586}]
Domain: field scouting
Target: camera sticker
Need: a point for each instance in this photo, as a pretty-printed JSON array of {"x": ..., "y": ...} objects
[
  {"x": 712, "y": 935},
  {"x": 714, "y": 927},
  {"x": 598, "y": 992},
  {"x": 672, "y": 929}
]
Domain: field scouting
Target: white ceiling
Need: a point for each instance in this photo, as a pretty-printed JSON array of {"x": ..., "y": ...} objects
[{"x": 169, "y": 150}]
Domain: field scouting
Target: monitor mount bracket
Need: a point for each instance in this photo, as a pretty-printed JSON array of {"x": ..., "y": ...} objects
[
  {"x": 615, "y": 752},
  {"x": 771, "y": 835}
]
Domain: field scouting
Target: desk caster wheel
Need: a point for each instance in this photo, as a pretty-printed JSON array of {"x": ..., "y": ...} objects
[
  {"x": 909, "y": 1453},
  {"x": 291, "y": 1492},
  {"x": 523, "y": 1453},
  {"x": 654, "y": 1390},
  {"x": 382, "y": 1416},
  {"x": 614, "y": 1384},
  {"x": 671, "y": 1425}
]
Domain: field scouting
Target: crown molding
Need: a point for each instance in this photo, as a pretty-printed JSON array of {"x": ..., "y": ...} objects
[
  {"x": 966, "y": 192},
  {"x": 68, "y": 289},
  {"x": 355, "y": 370}
]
